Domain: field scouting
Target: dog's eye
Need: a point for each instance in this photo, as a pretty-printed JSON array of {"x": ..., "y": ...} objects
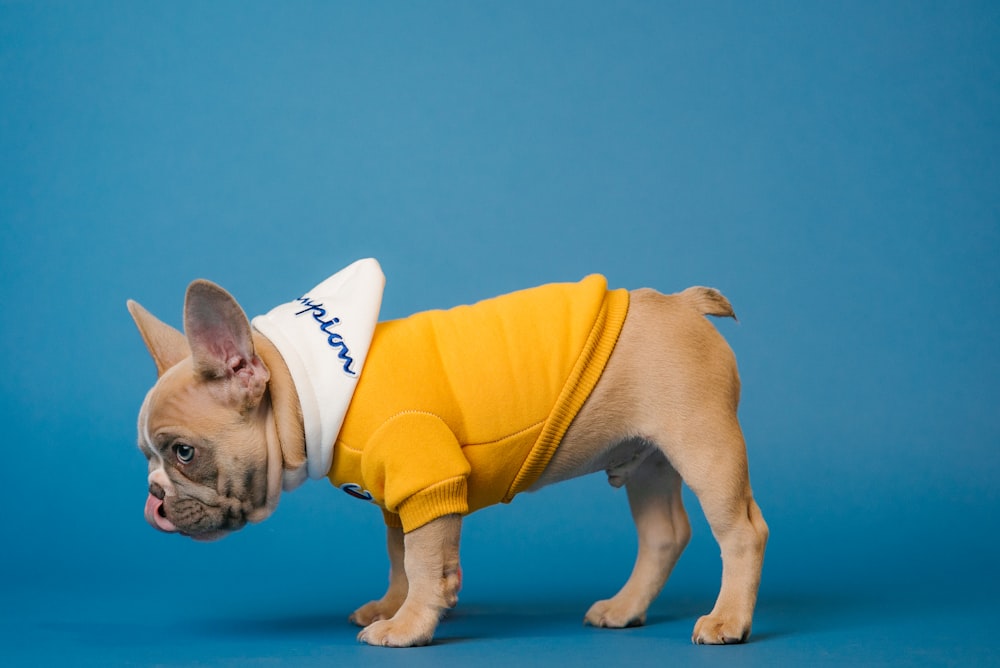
[{"x": 184, "y": 452}]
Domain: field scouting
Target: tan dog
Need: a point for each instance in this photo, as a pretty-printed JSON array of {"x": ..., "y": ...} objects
[{"x": 223, "y": 427}]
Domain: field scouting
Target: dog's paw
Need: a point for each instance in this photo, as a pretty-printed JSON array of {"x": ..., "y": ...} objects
[
  {"x": 397, "y": 633},
  {"x": 720, "y": 630},
  {"x": 375, "y": 611},
  {"x": 615, "y": 614}
]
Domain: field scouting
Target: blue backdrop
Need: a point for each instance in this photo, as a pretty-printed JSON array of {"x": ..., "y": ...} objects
[{"x": 831, "y": 167}]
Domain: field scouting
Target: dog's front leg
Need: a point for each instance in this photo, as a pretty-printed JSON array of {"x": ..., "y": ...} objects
[
  {"x": 389, "y": 604},
  {"x": 431, "y": 563}
]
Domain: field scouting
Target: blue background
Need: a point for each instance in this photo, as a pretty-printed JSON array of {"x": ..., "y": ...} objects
[{"x": 832, "y": 167}]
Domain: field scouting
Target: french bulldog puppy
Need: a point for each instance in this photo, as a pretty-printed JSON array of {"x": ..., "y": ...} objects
[{"x": 647, "y": 392}]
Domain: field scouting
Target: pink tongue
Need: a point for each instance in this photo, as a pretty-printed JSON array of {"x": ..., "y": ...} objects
[{"x": 154, "y": 517}]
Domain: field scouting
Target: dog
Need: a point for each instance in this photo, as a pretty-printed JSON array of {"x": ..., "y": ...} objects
[{"x": 433, "y": 416}]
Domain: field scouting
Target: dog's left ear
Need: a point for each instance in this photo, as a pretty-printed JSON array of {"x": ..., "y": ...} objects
[
  {"x": 166, "y": 344},
  {"x": 218, "y": 333}
]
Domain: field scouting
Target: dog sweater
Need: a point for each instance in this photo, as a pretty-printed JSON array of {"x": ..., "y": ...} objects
[
  {"x": 444, "y": 411},
  {"x": 460, "y": 409}
]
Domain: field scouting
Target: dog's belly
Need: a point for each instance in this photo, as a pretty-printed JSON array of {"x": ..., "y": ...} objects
[{"x": 575, "y": 458}]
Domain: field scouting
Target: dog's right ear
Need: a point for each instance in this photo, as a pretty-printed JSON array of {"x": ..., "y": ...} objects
[
  {"x": 221, "y": 342},
  {"x": 167, "y": 345}
]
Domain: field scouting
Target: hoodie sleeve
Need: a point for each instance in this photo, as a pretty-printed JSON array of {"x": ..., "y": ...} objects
[{"x": 414, "y": 463}]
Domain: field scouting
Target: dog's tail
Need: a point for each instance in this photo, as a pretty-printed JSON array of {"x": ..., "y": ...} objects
[{"x": 709, "y": 301}]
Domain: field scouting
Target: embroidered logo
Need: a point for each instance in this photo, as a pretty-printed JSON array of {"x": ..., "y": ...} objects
[
  {"x": 333, "y": 339},
  {"x": 357, "y": 491}
]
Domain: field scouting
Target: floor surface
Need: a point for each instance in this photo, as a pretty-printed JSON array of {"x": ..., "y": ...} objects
[{"x": 121, "y": 627}]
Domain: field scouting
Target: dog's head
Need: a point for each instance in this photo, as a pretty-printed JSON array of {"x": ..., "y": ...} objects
[{"x": 206, "y": 425}]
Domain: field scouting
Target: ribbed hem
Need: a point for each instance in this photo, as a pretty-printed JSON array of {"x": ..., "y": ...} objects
[
  {"x": 392, "y": 519},
  {"x": 586, "y": 372},
  {"x": 445, "y": 498}
]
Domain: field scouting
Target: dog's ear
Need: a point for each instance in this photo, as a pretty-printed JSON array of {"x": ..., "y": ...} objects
[
  {"x": 218, "y": 333},
  {"x": 166, "y": 344}
]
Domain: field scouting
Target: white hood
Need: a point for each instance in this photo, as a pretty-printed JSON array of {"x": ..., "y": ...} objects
[{"x": 324, "y": 338}]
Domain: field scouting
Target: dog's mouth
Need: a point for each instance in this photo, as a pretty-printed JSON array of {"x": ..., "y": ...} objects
[{"x": 156, "y": 515}]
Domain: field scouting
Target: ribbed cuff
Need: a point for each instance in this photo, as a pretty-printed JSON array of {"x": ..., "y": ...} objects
[{"x": 445, "y": 498}]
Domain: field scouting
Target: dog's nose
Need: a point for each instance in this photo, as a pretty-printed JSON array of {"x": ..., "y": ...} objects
[{"x": 156, "y": 491}]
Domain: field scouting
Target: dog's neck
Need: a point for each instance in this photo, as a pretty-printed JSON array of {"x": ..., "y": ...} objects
[{"x": 286, "y": 414}]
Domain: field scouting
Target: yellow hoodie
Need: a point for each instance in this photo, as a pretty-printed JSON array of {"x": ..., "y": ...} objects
[{"x": 461, "y": 409}]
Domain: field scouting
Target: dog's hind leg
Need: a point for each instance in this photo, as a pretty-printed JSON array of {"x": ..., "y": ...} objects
[
  {"x": 719, "y": 478},
  {"x": 654, "y": 494}
]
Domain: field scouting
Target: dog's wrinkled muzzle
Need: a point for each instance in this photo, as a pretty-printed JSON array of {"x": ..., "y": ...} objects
[
  {"x": 158, "y": 520},
  {"x": 156, "y": 517}
]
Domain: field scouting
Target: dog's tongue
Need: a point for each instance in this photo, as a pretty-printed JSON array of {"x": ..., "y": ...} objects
[{"x": 154, "y": 517}]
